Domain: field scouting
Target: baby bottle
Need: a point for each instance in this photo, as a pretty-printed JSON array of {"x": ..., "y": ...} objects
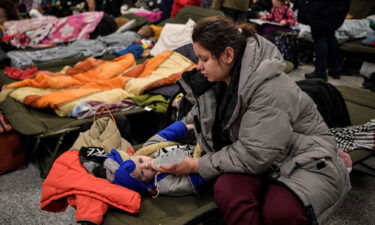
[{"x": 169, "y": 158}]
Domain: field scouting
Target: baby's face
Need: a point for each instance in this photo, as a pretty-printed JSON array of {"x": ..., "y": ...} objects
[{"x": 143, "y": 171}]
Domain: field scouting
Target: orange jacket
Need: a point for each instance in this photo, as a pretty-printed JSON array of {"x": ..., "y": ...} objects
[{"x": 68, "y": 183}]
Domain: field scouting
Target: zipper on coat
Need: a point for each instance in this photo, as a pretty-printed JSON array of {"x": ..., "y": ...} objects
[{"x": 197, "y": 121}]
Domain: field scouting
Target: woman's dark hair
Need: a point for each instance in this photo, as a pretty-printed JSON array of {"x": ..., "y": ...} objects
[
  {"x": 10, "y": 9},
  {"x": 217, "y": 33}
]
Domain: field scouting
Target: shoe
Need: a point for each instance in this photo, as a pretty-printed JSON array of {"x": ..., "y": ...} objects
[
  {"x": 314, "y": 75},
  {"x": 334, "y": 74}
]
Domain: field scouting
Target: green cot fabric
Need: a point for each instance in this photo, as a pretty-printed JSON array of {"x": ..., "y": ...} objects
[
  {"x": 30, "y": 121},
  {"x": 360, "y": 103},
  {"x": 191, "y": 12},
  {"x": 168, "y": 211},
  {"x": 357, "y": 46},
  {"x": 155, "y": 102}
]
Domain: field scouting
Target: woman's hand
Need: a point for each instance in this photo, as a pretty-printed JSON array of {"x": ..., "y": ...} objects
[
  {"x": 185, "y": 167},
  {"x": 282, "y": 22}
]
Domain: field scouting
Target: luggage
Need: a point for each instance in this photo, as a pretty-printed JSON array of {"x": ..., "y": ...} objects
[{"x": 12, "y": 155}]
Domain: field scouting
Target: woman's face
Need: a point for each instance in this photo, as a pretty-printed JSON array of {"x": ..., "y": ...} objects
[
  {"x": 211, "y": 67},
  {"x": 143, "y": 170}
]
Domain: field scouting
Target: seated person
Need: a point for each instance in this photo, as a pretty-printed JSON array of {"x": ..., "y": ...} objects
[
  {"x": 8, "y": 11},
  {"x": 280, "y": 14},
  {"x": 141, "y": 48},
  {"x": 136, "y": 171}
]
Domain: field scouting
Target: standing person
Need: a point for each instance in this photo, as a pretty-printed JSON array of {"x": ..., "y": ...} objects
[
  {"x": 274, "y": 158},
  {"x": 324, "y": 18},
  {"x": 235, "y": 9}
]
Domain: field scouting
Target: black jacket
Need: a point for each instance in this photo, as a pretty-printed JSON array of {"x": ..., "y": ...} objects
[{"x": 329, "y": 14}]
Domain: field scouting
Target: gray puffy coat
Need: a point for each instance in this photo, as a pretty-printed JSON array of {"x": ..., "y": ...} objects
[{"x": 275, "y": 128}]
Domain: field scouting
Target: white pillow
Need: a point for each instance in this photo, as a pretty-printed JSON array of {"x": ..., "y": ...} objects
[{"x": 173, "y": 36}]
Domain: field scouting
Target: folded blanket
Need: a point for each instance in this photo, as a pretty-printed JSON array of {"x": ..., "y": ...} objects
[{"x": 97, "y": 80}]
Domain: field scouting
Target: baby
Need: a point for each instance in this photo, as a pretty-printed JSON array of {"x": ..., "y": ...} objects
[{"x": 136, "y": 172}]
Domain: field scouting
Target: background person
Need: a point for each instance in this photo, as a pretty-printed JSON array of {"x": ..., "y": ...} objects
[
  {"x": 324, "y": 18},
  {"x": 235, "y": 9}
]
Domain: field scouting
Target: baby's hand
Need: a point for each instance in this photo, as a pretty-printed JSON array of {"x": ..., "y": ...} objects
[{"x": 190, "y": 126}]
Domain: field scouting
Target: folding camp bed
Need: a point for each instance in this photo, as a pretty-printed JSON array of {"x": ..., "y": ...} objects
[{"x": 49, "y": 131}]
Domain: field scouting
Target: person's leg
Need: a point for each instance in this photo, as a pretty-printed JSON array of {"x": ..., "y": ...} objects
[
  {"x": 241, "y": 16},
  {"x": 237, "y": 196},
  {"x": 333, "y": 55},
  {"x": 282, "y": 207},
  {"x": 321, "y": 53},
  {"x": 235, "y": 15}
]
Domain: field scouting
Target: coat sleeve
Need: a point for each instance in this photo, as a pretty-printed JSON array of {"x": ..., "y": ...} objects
[
  {"x": 175, "y": 130},
  {"x": 264, "y": 132}
]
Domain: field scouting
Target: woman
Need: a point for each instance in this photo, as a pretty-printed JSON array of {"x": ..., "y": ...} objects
[{"x": 274, "y": 158}]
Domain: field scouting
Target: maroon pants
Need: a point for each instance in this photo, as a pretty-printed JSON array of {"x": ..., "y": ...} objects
[{"x": 251, "y": 200}]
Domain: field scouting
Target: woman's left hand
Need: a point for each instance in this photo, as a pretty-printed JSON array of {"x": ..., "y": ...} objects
[{"x": 185, "y": 167}]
